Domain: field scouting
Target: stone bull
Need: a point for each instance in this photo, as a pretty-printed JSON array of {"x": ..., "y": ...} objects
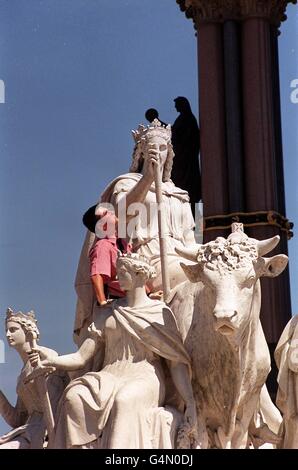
[{"x": 218, "y": 316}]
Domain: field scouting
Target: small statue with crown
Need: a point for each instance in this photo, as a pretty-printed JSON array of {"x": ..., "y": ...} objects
[{"x": 31, "y": 418}]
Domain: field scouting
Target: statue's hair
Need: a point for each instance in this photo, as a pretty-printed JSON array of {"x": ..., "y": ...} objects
[
  {"x": 27, "y": 320},
  {"x": 137, "y": 159},
  {"x": 227, "y": 254},
  {"x": 141, "y": 136},
  {"x": 137, "y": 263}
]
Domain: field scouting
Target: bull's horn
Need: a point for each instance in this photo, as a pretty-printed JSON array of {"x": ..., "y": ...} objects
[
  {"x": 265, "y": 246},
  {"x": 189, "y": 253}
]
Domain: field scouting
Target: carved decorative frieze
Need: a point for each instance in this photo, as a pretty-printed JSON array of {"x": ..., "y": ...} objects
[
  {"x": 210, "y": 11},
  {"x": 249, "y": 219},
  {"x": 204, "y": 11}
]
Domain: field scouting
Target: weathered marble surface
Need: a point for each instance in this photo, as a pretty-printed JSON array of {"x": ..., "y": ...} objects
[
  {"x": 286, "y": 356},
  {"x": 187, "y": 374},
  {"x": 143, "y": 355},
  {"x": 218, "y": 314}
]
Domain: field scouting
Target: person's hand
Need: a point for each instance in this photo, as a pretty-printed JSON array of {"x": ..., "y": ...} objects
[
  {"x": 47, "y": 364},
  {"x": 43, "y": 368},
  {"x": 151, "y": 161},
  {"x": 34, "y": 357},
  {"x": 37, "y": 354},
  {"x": 104, "y": 303},
  {"x": 156, "y": 295}
]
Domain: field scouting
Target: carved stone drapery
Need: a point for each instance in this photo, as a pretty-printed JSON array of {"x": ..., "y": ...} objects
[{"x": 204, "y": 11}]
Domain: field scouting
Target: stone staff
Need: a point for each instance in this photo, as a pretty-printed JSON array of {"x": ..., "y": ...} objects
[{"x": 162, "y": 233}]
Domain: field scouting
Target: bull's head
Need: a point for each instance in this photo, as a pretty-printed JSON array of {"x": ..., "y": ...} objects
[{"x": 230, "y": 269}]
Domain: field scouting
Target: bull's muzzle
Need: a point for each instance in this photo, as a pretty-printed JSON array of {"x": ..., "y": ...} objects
[{"x": 225, "y": 321}]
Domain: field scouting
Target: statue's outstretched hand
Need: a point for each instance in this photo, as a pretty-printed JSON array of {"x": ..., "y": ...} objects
[
  {"x": 39, "y": 357},
  {"x": 40, "y": 368}
]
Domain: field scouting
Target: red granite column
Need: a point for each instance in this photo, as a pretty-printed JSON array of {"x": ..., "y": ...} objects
[
  {"x": 212, "y": 122},
  {"x": 259, "y": 148},
  {"x": 261, "y": 183},
  {"x": 258, "y": 133},
  {"x": 233, "y": 113}
]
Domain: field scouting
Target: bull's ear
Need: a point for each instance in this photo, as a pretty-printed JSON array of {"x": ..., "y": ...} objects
[
  {"x": 272, "y": 267},
  {"x": 192, "y": 272}
]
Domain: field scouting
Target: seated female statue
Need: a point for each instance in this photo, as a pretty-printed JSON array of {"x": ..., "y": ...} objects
[{"x": 124, "y": 404}]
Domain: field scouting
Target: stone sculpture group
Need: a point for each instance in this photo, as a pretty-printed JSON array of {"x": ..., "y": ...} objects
[{"x": 188, "y": 371}]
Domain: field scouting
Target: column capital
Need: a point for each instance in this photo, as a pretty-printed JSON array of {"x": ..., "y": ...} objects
[{"x": 216, "y": 11}]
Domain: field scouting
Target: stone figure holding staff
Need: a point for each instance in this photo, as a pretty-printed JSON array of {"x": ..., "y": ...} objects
[
  {"x": 28, "y": 417},
  {"x": 133, "y": 196}
]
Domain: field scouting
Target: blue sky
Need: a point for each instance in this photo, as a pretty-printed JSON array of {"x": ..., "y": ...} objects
[{"x": 79, "y": 75}]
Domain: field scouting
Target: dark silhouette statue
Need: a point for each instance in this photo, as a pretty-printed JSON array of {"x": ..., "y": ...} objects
[
  {"x": 152, "y": 114},
  {"x": 186, "y": 143}
]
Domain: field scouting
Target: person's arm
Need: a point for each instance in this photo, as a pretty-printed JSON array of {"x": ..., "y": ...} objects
[
  {"x": 14, "y": 415},
  {"x": 100, "y": 269},
  {"x": 139, "y": 191},
  {"x": 74, "y": 361},
  {"x": 98, "y": 286}
]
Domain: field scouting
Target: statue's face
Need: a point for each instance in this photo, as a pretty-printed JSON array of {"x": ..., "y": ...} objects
[
  {"x": 157, "y": 144},
  {"x": 125, "y": 278},
  {"x": 15, "y": 334}
]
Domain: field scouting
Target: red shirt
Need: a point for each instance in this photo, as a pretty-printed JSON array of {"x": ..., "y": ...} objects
[{"x": 103, "y": 256}]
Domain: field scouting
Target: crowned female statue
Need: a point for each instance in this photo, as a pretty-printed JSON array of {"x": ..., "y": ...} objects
[
  {"x": 27, "y": 416},
  {"x": 129, "y": 403},
  {"x": 133, "y": 197}
]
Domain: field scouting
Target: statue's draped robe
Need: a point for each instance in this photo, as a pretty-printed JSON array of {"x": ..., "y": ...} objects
[
  {"x": 136, "y": 341},
  {"x": 178, "y": 221},
  {"x": 286, "y": 354}
]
